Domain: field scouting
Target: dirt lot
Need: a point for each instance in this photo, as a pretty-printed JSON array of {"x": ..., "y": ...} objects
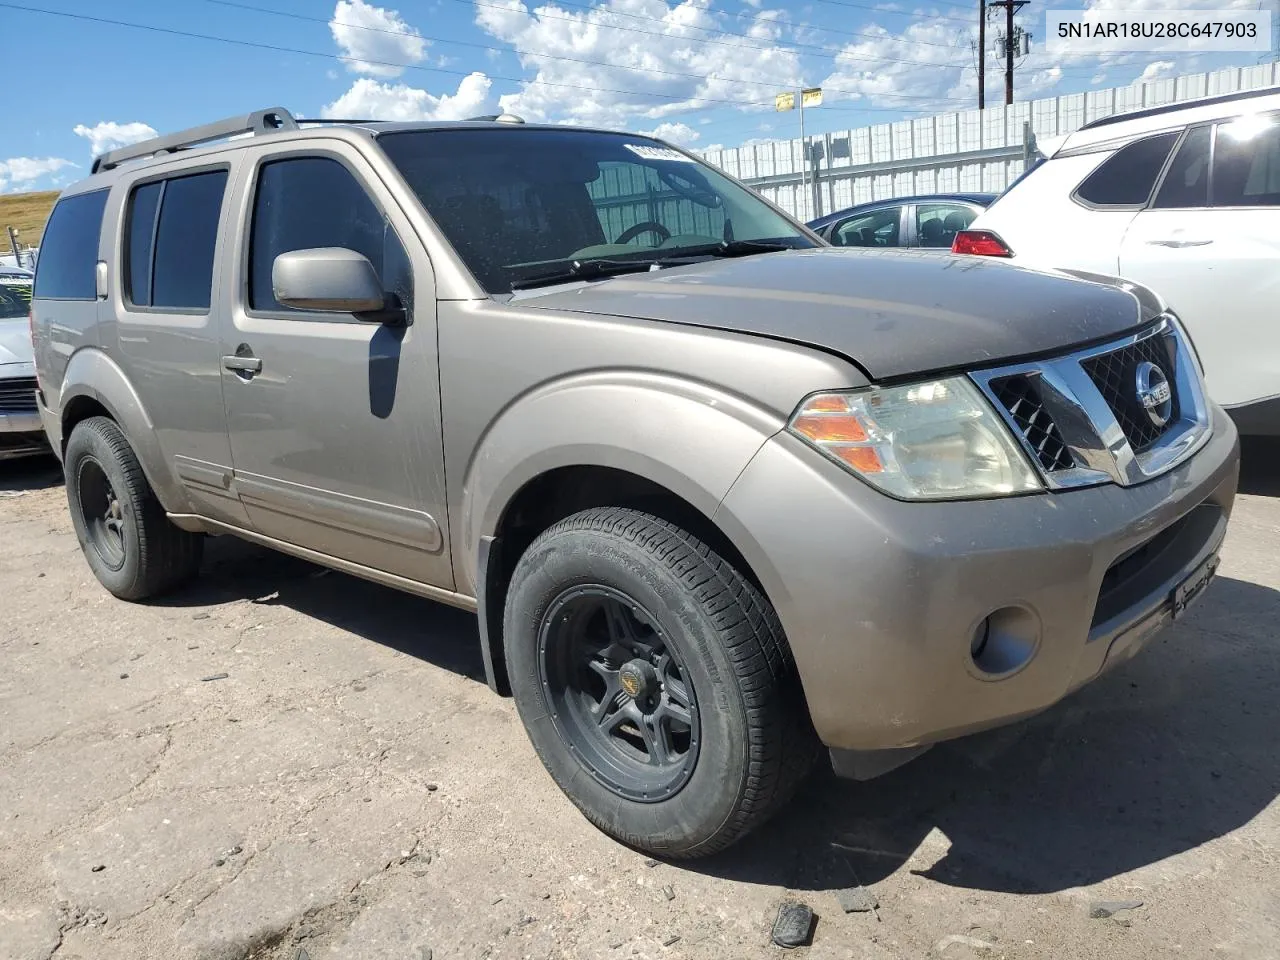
[{"x": 351, "y": 789}]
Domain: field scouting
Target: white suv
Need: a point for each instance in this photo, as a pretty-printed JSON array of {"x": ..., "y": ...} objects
[{"x": 1184, "y": 199}]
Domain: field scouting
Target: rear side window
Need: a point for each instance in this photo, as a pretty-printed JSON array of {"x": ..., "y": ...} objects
[
  {"x": 1187, "y": 182},
  {"x": 15, "y": 297},
  {"x": 1125, "y": 179},
  {"x": 172, "y": 234},
  {"x": 69, "y": 249},
  {"x": 1246, "y": 163},
  {"x": 308, "y": 202}
]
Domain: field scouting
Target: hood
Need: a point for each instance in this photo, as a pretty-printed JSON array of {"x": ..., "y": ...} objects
[
  {"x": 15, "y": 341},
  {"x": 893, "y": 313}
]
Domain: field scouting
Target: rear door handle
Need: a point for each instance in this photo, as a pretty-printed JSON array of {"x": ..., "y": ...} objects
[{"x": 1179, "y": 244}]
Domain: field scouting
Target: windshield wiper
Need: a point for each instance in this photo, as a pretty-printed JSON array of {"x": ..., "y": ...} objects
[
  {"x": 582, "y": 270},
  {"x": 726, "y": 248}
]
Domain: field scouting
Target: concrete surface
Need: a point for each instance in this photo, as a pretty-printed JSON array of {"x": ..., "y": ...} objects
[{"x": 352, "y": 790}]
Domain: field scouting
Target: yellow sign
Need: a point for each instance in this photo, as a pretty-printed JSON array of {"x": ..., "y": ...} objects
[
  {"x": 811, "y": 97},
  {"x": 784, "y": 101}
]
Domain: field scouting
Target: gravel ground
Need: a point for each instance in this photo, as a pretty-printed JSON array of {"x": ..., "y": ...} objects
[{"x": 284, "y": 763}]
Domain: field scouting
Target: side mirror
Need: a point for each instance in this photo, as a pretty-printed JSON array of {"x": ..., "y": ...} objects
[{"x": 330, "y": 279}]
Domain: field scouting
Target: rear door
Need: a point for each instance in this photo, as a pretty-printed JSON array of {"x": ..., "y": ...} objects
[
  {"x": 335, "y": 421},
  {"x": 163, "y": 306},
  {"x": 1210, "y": 245}
]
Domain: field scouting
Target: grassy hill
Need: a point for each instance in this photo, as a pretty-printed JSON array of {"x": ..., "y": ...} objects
[{"x": 26, "y": 212}]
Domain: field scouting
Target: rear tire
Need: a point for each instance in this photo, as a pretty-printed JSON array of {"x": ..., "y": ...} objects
[
  {"x": 129, "y": 543},
  {"x": 688, "y": 732}
]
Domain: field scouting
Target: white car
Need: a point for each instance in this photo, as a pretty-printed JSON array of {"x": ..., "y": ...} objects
[
  {"x": 21, "y": 432},
  {"x": 1184, "y": 199}
]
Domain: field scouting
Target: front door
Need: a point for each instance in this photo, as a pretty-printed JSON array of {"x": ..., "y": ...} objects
[
  {"x": 335, "y": 421},
  {"x": 1210, "y": 245}
]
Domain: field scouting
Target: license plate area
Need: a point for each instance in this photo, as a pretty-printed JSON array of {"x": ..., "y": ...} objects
[{"x": 1190, "y": 589}]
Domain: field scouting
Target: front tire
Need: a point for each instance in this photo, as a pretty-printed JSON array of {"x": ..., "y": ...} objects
[
  {"x": 655, "y": 683},
  {"x": 129, "y": 543}
]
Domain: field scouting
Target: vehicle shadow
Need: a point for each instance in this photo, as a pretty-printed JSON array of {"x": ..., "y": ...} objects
[
  {"x": 435, "y": 633},
  {"x": 30, "y": 473},
  {"x": 1169, "y": 751},
  {"x": 1260, "y": 466}
]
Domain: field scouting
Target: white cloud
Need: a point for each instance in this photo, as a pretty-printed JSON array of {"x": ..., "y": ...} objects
[
  {"x": 928, "y": 65},
  {"x": 685, "y": 72},
  {"x": 1156, "y": 70},
  {"x": 680, "y": 133},
  {"x": 364, "y": 32},
  {"x": 110, "y": 135},
  {"x": 21, "y": 173},
  {"x": 370, "y": 100}
]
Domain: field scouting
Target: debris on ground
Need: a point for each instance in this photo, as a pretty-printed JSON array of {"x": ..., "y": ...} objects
[
  {"x": 651, "y": 863},
  {"x": 1102, "y": 909},
  {"x": 794, "y": 926},
  {"x": 857, "y": 900},
  {"x": 214, "y": 676},
  {"x": 669, "y": 892},
  {"x": 960, "y": 940},
  {"x": 302, "y": 954},
  {"x": 670, "y": 940},
  {"x": 201, "y": 616},
  {"x": 432, "y": 787},
  {"x": 98, "y": 868}
]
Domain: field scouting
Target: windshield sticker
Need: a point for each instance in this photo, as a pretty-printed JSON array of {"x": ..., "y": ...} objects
[{"x": 645, "y": 152}]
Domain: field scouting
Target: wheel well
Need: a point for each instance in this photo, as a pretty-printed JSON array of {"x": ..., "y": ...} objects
[
  {"x": 78, "y": 409},
  {"x": 560, "y": 493}
]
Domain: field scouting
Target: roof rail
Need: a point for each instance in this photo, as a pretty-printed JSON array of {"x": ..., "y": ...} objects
[
  {"x": 270, "y": 120},
  {"x": 1181, "y": 105}
]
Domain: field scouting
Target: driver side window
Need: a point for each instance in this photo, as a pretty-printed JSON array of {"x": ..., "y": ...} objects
[
  {"x": 880, "y": 228},
  {"x": 629, "y": 195}
]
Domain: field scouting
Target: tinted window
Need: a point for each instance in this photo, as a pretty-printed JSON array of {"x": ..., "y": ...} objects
[
  {"x": 876, "y": 229},
  {"x": 1126, "y": 178},
  {"x": 523, "y": 203},
  {"x": 69, "y": 248},
  {"x": 1246, "y": 163},
  {"x": 15, "y": 297},
  {"x": 314, "y": 202},
  {"x": 938, "y": 223},
  {"x": 1187, "y": 182},
  {"x": 143, "y": 207},
  {"x": 186, "y": 235}
]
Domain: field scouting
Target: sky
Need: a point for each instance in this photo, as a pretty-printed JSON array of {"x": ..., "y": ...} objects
[{"x": 86, "y": 76}]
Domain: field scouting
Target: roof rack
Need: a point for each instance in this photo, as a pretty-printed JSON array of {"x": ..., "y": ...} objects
[
  {"x": 1180, "y": 105},
  {"x": 270, "y": 120}
]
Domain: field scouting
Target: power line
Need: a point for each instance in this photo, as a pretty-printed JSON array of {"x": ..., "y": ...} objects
[
  {"x": 765, "y": 81},
  {"x": 275, "y": 48}
]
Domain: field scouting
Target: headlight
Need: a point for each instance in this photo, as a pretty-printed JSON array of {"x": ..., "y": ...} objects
[{"x": 926, "y": 441}]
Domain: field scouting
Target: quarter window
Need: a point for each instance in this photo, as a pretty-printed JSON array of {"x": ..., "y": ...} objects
[
  {"x": 1126, "y": 177},
  {"x": 171, "y": 237},
  {"x": 308, "y": 202},
  {"x": 1187, "y": 182},
  {"x": 1246, "y": 163},
  {"x": 69, "y": 249}
]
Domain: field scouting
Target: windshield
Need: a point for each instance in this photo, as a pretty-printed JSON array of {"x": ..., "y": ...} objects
[
  {"x": 517, "y": 204},
  {"x": 15, "y": 297}
]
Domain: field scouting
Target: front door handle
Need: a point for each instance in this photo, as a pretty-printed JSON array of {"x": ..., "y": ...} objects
[
  {"x": 243, "y": 363},
  {"x": 1179, "y": 244}
]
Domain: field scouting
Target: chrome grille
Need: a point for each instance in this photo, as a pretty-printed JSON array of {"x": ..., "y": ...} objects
[
  {"x": 1080, "y": 418},
  {"x": 18, "y": 395},
  {"x": 1115, "y": 375},
  {"x": 1021, "y": 397}
]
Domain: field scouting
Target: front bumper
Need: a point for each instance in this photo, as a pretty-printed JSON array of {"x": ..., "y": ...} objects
[
  {"x": 881, "y": 600},
  {"x": 21, "y": 434}
]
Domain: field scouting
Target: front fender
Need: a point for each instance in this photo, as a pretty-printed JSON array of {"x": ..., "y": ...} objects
[
  {"x": 690, "y": 438},
  {"x": 93, "y": 375}
]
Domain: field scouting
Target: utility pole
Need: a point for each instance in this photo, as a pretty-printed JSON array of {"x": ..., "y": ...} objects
[
  {"x": 1012, "y": 41},
  {"x": 982, "y": 54}
]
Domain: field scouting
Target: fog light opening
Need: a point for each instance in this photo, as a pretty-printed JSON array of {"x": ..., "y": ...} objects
[{"x": 1004, "y": 642}]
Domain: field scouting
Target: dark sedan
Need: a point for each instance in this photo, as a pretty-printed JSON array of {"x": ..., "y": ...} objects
[{"x": 926, "y": 221}]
